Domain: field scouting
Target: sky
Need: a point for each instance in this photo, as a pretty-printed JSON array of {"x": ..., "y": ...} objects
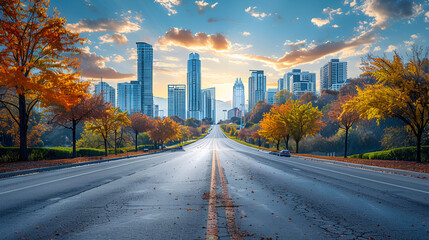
[{"x": 235, "y": 36}]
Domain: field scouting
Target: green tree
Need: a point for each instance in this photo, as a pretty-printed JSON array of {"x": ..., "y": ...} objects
[{"x": 283, "y": 96}]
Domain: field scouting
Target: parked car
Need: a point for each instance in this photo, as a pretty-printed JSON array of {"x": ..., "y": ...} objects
[
  {"x": 146, "y": 150},
  {"x": 274, "y": 153},
  {"x": 284, "y": 153}
]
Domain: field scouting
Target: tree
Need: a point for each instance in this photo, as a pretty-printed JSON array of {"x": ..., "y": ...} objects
[
  {"x": 401, "y": 92},
  {"x": 109, "y": 123},
  {"x": 345, "y": 118},
  {"x": 256, "y": 115},
  {"x": 183, "y": 133},
  {"x": 36, "y": 62},
  {"x": 178, "y": 120},
  {"x": 192, "y": 122},
  {"x": 327, "y": 96},
  {"x": 164, "y": 130},
  {"x": 272, "y": 128},
  {"x": 88, "y": 108},
  {"x": 302, "y": 120},
  {"x": 281, "y": 112},
  {"x": 141, "y": 123},
  {"x": 308, "y": 97},
  {"x": 283, "y": 96}
]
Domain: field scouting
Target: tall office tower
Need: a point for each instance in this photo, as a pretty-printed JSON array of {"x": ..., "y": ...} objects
[
  {"x": 130, "y": 96},
  {"x": 208, "y": 103},
  {"x": 177, "y": 100},
  {"x": 301, "y": 82},
  {"x": 238, "y": 95},
  {"x": 155, "y": 111},
  {"x": 280, "y": 84},
  {"x": 145, "y": 76},
  {"x": 108, "y": 92},
  {"x": 333, "y": 75},
  {"x": 257, "y": 87},
  {"x": 270, "y": 95},
  {"x": 194, "y": 86}
]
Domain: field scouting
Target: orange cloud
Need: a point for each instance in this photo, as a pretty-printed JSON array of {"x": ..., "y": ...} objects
[
  {"x": 114, "y": 38},
  {"x": 104, "y": 25},
  {"x": 200, "y": 41}
]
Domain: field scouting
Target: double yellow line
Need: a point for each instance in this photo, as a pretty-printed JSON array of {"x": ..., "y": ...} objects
[{"x": 227, "y": 203}]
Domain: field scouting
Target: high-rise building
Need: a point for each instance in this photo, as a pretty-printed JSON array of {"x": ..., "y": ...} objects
[
  {"x": 155, "y": 111},
  {"x": 257, "y": 87},
  {"x": 280, "y": 84},
  {"x": 177, "y": 100},
  {"x": 108, "y": 92},
  {"x": 301, "y": 82},
  {"x": 130, "y": 97},
  {"x": 270, "y": 95},
  {"x": 333, "y": 75},
  {"x": 208, "y": 103},
  {"x": 238, "y": 97},
  {"x": 194, "y": 86},
  {"x": 145, "y": 76}
]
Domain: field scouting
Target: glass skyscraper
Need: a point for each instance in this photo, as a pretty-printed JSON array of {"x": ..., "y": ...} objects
[
  {"x": 177, "y": 100},
  {"x": 238, "y": 95},
  {"x": 108, "y": 92},
  {"x": 257, "y": 87},
  {"x": 333, "y": 75},
  {"x": 208, "y": 104},
  {"x": 194, "y": 86},
  {"x": 145, "y": 76}
]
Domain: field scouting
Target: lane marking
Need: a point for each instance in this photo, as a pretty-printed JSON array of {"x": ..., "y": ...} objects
[
  {"x": 350, "y": 175},
  {"x": 231, "y": 221},
  {"x": 212, "y": 225}
]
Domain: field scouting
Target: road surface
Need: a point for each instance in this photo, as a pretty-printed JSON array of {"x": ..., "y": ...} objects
[{"x": 214, "y": 189}]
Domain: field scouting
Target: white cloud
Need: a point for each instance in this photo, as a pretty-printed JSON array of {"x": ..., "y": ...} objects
[
  {"x": 202, "y": 6},
  {"x": 391, "y": 48},
  {"x": 377, "y": 48},
  {"x": 104, "y": 25},
  {"x": 427, "y": 17},
  {"x": 259, "y": 15},
  {"x": 319, "y": 22},
  {"x": 335, "y": 26},
  {"x": 331, "y": 11},
  {"x": 169, "y": 5},
  {"x": 210, "y": 59},
  {"x": 414, "y": 36},
  {"x": 118, "y": 59},
  {"x": 245, "y": 33},
  {"x": 114, "y": 38}
]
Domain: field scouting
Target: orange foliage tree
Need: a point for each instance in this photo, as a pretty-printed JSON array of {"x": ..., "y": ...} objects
[
  {"x": 164, "y": 130},
  {"x": 37, "y": 58},
  {"x": 272, "y": 128},
  {"x": 141, "y": 123},
  {"x": 88, "y": 109},
  {"x": 344, "y": 119}
]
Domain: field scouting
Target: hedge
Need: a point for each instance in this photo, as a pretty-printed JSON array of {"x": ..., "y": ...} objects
[
  {"x": 401, "y": 154},
  {"x": 11, "y": 154}
]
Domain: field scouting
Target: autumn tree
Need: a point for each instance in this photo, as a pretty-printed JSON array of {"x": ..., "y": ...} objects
[
  {"x": 89, "y": 108},
  {"x": 302, "y": 120},
  {"x": 164, "y": 130},
  {"x": 109, "y": 123},
  {"x": 36, "y": 61},
  {"x": 272, "y": 128},
  {"x": 283, "y": 96},
  {"x": 140, "y": 123},
  {"x": 183, "y": 133},
  {"x": 257, "y": 113},
  {"x": 401, "y": 92},
  {"x": 345, "y": 118},
  {"x": 308, "y": 97}
]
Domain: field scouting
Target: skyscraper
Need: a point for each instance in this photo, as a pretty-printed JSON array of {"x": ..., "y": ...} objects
[
  {"x": 269, "y": 95},
  {"x": 238, "y": 95},
  {"x": 257, "y": 87},
  {"x": 300, "y": 82},
  {"x": 108, "y": 92},
  {"x": 145, "y": 76},
  {"x": 280, "y": 84},
  {"x": 333, "y": 75},
  {"x": 130, "y": 97},
  {"x": 208, "y": 103},
  {"x": 177, "y": 100},
  {"x": 194, "y": 86}
]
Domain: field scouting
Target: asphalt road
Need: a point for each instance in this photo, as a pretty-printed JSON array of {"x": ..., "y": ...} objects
[{"x": 215, "y": 188}]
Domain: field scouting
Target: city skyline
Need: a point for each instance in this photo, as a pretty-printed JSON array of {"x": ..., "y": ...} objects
[{"x": 241, "y": 35}]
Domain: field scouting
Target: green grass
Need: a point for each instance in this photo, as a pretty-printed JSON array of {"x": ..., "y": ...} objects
[
  {"x": 401, "y": 154},
  {"x": 246, "y": 143}
]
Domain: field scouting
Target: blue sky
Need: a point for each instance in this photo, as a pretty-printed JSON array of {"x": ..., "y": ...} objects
[{"x": 233, "y": 36}]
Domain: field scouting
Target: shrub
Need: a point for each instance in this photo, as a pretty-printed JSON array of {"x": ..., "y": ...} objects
[{"x": 400, "y": 154}]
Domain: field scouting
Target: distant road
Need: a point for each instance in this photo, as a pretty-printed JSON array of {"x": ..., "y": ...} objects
[{"x": 215, "y": 188}]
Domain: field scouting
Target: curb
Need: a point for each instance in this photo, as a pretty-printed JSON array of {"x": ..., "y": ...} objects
[{"x": 369, "y": 167}]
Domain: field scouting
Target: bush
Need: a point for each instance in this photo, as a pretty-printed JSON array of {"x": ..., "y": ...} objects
[{"x": 400, "y": 154}]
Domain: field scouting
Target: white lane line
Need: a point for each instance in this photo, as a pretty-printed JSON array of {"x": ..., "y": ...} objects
[{"x": 351, "y": 175}]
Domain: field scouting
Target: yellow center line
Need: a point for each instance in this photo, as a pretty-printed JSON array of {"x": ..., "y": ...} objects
[{"x": 212, "y": 224}]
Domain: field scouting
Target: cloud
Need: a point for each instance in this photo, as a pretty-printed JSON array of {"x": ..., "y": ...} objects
[
  {"x": 391, "y": 48},
  {"x": 201, "y": 41},
  {"x": 173, "y": 59},
  {"x": 376, "y": 49},
  {"x": 296, "y": 45},
  {"x": 414, "y": 36},
  {"x": 114, "y": 38},
  {"x": 335, "y": 26},
  {"x": 169, "y": 5},
  {"x": 118, "y": 58},
  {"x": 319, "y": 22},
  {"x": 259, "y": 15},
  {"x": 210, "y": 59},
  {"x": 246, "y": 33},
  {"x": 384, "y": 10},
  {"x": 331, "y": 11},
  {"x": 202, "y": 6},
  {"x": 104, "y": 25},
  {"x": 314, "y": 52},
  {"x": 94, "y": 66},
  {"x": 427, "y": 17},
  {"x": 132, "y": 53},
  {"x": 213, "y": 20},
  {"x": 352, "y": 4}
]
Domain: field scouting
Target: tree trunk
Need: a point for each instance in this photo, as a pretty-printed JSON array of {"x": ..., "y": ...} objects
[
  {"x": 136, "y": 140},
  {"x": 278, "y": 145},
  {"x": 74, "y": 137},
  {"x": 23, "y": 151},
  {"x": 116, "y": 153},
  {"x": 287, "y": 142},
  {"x": 419, "y": 146},
  {"x": 345, "y": 143},
  {"x": 105, "y": 147},
  {"x": 297, "y": 146}
]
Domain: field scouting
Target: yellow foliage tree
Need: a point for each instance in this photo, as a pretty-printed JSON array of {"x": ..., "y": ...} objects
[
  {"x": 37, "y": 58},
  {"x": 109, "y": 123},
  {"x": 401, "y": 92},
  {"x": 183, "y": 133},
  {"x": 165, "y": 130},
  {"x": 272, "y": 128}
]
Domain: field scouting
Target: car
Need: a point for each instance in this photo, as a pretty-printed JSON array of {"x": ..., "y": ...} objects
[
  {"x": 284, "y": 153},
  {"x": 146, "y": 150},
  {"x": 274, "y": 153}
]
